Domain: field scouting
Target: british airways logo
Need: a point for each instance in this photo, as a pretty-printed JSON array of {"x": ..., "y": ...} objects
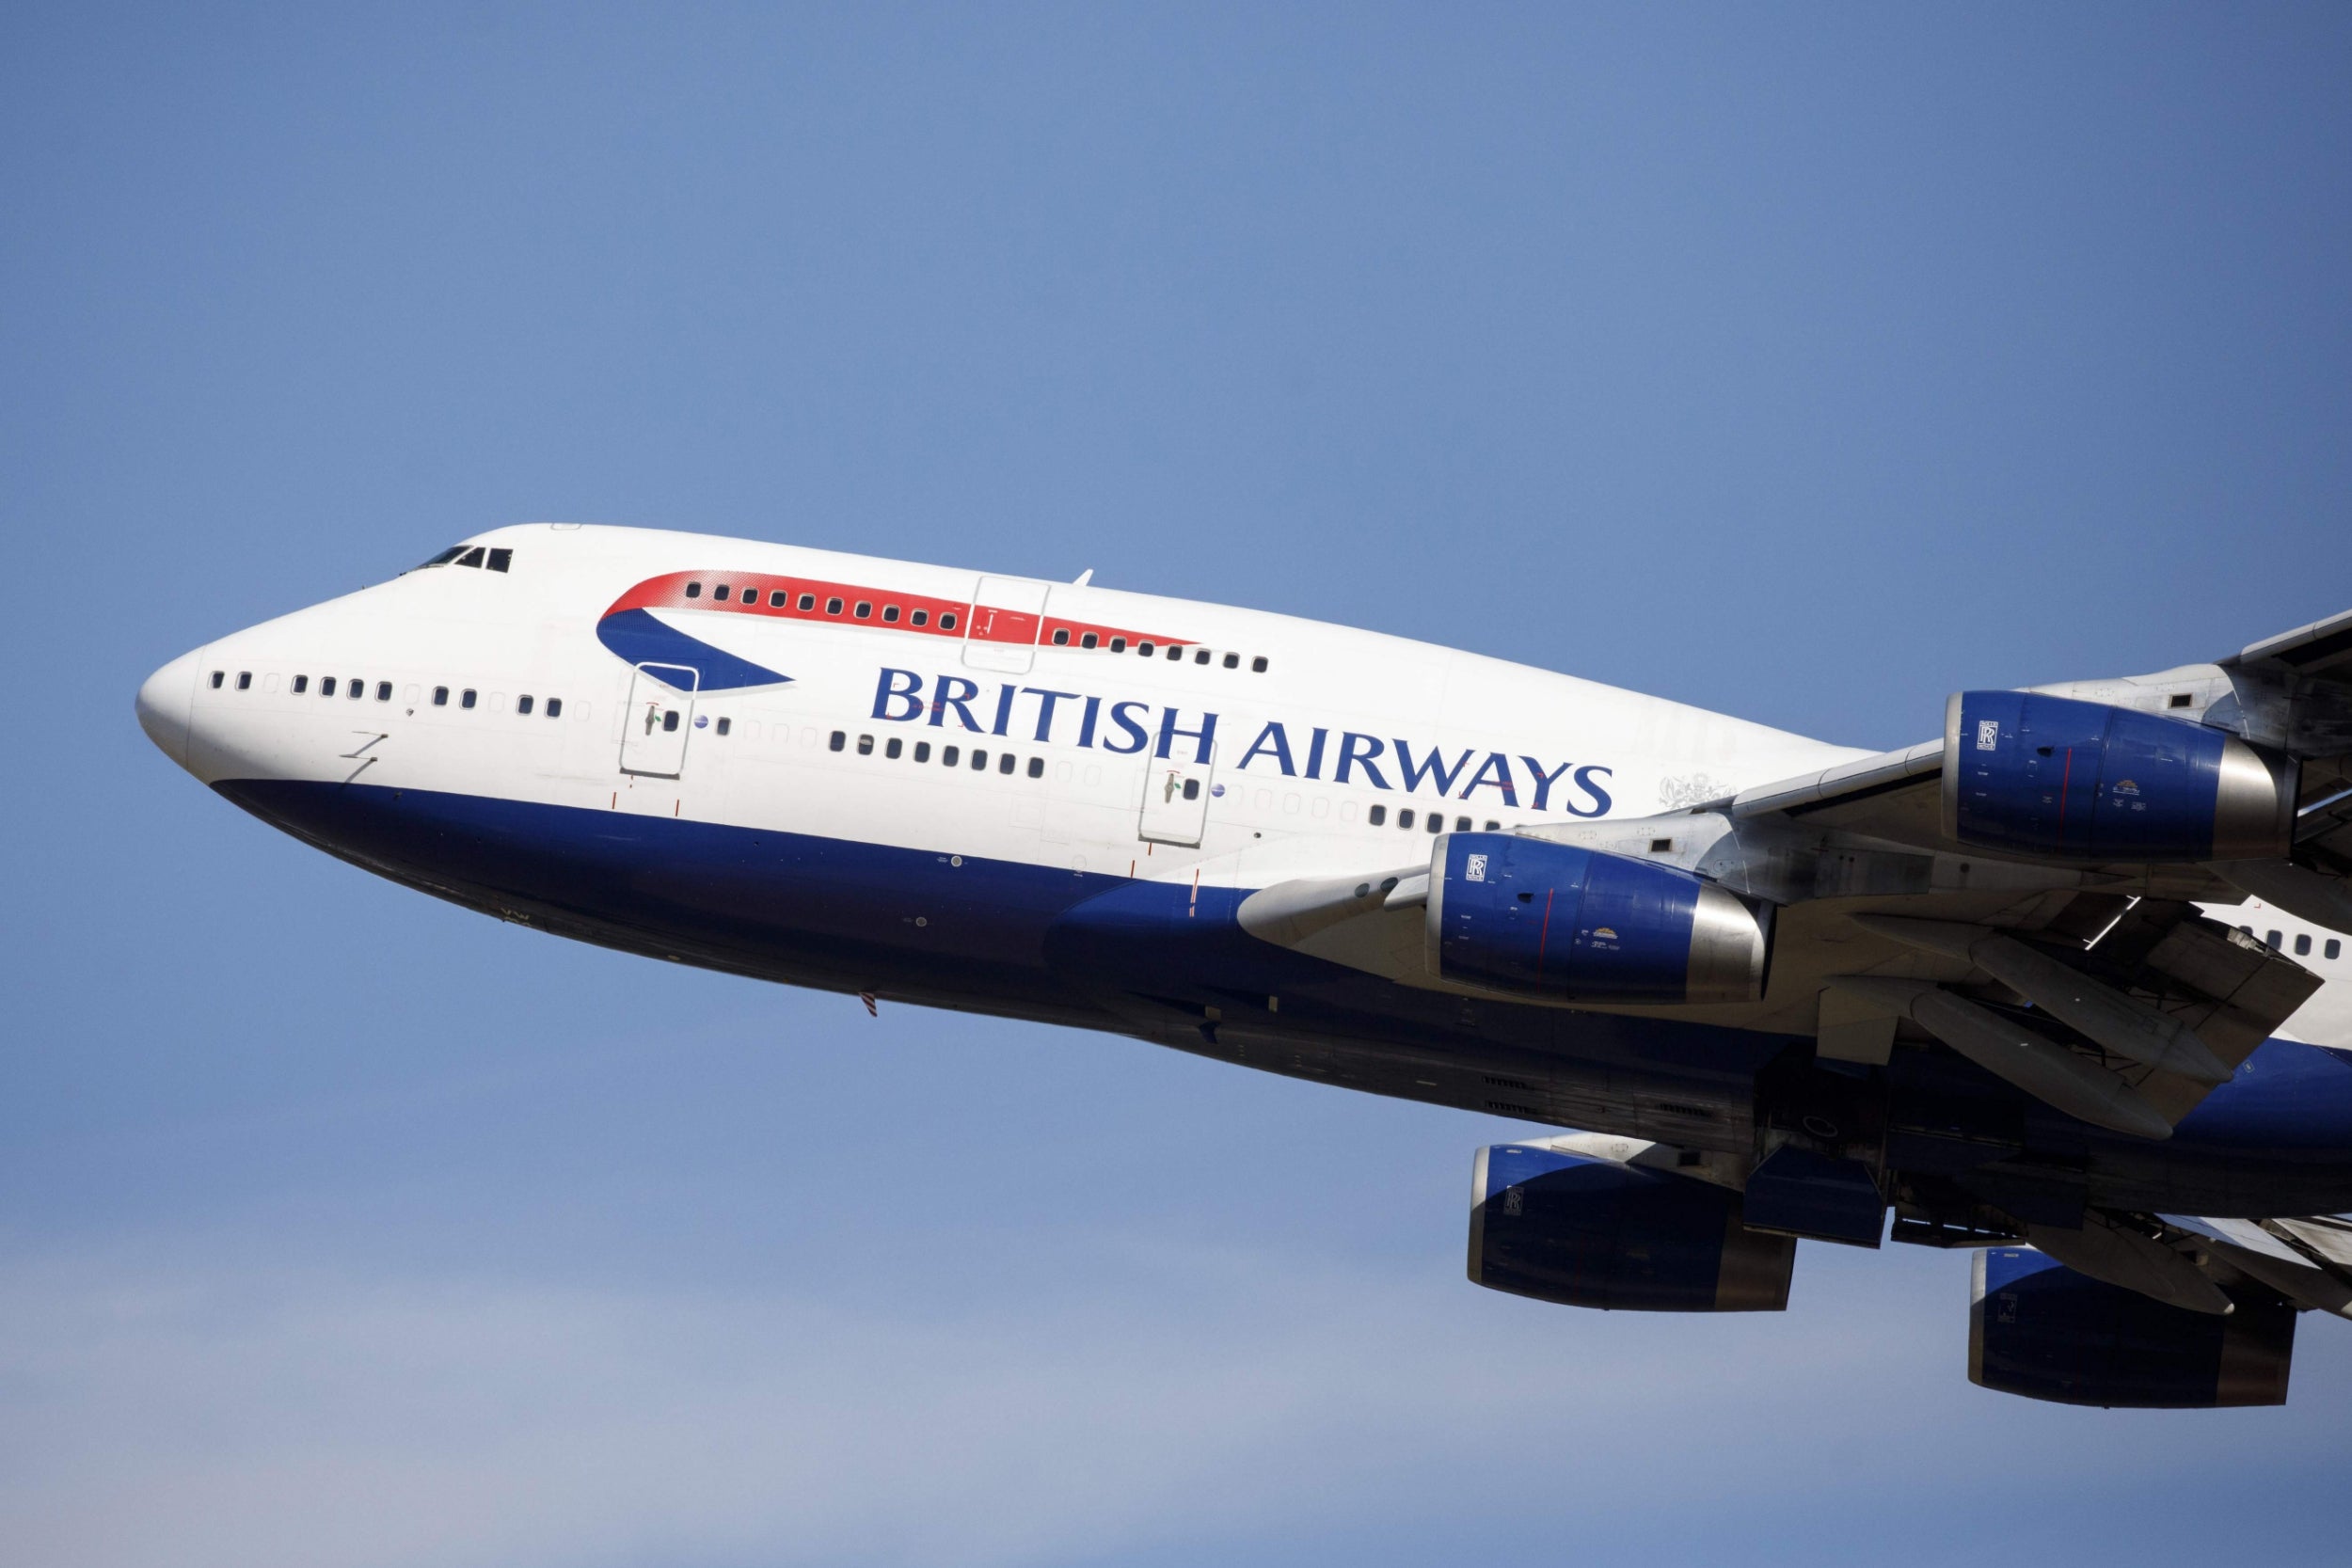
[{"x": 1275, "y": 748}]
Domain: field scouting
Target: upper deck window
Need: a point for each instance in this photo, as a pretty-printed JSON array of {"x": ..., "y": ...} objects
[
  {"x": 776, "y": 598},
  {"x": 719, "y": 592}
]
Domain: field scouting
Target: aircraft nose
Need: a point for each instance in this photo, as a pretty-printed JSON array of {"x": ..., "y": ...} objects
[{"x": 164, "y": 701}]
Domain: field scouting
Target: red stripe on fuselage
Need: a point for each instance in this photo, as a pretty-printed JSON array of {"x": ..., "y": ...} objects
[{"x": 759, "y": 592}]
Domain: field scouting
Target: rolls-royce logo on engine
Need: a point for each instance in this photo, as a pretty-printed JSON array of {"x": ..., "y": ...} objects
[{"x": 1476, "y": 870}]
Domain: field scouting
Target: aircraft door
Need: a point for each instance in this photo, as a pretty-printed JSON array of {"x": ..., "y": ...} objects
[
  {"x": 1000, "y": 633},
  {"x": 660, "y": 717},
  {"x": 1176, "y": 800}
]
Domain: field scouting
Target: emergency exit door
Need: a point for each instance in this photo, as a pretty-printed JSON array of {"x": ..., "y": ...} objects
[
  {"x": 1000, "y": 632},
  {"x": 660, "y": 717},
  {"x": 1176, "y": 800}
]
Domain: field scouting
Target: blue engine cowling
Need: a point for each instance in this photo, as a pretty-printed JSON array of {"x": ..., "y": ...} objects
[
  {"x": 1586, "y": 1232},
  {"x": 1551, "y": 919},
  {"x": 2040, "y": 1329},
  {"x": 2084, "y": 781}
]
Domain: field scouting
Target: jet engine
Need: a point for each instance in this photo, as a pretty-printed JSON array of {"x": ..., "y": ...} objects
[
  {"x": 2041, "y": 775},
  {"x": 1549, "y": 920},
  {"x": 2038, "y": 1328},
  {"x": 1587, "y": 1232}
]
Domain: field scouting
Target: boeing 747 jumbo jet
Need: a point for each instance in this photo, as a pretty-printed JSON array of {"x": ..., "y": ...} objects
[{"x": 2051, "y": 985}]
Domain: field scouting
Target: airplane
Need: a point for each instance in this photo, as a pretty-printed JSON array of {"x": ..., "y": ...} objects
[{"x": 2050, "y": 985}]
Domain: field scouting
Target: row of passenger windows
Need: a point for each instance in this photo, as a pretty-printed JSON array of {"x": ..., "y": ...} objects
[
  {"x": 356, "y": 687},
  {"x": 949, "y": 756},
  {"x": 724, "y": 593},
  {"x": 1175, "y": 651},
  {"x": 864, "y": 610},
  {"x": 1434, "y": 822},
  {"x": 2275, "y": 940}
]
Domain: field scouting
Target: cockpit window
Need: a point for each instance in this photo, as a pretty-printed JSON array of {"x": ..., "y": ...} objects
[
  {"x": 471, "y": 557},
  {"x": 445, "y": 557},
  {"x": 500, "y": 560}
]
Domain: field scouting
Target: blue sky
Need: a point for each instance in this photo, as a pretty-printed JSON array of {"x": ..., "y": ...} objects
[{"x": 1807, "y": 364}]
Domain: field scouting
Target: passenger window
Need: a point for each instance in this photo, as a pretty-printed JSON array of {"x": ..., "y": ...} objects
[
  {"x": 946, "y": 620},
  {"x": 555, "y": 708},
  {"x": 1145, "y": 649},
  {"x": 1005, "y": 762},
  {"x": 2333, "y": 949},
  {"x": 948, "y": 756},
  {"x": 725, "y": 726},
  {"x": 840, "y": 739},
  {"x": 2271, "y": 942},
  {"x": 2302, "y": 945},
  {"x": 1437, "y": 821},
  {"x": 326, "y": 685},
  {"x": 301, "y": 684},
  {"x": 776, "y": 598},
  {"x": 922, "y": 751},
  {"x": 1037, "y": 767},
  {"x": 1377, "y": 816},
  {"x": 1461, "y": 824},
  {"x": 500, "y": 560},
  {"x": 693, "y": 590},
  {"x": 245, "y": 680},
  {"x": 979, "y": 760},
  {"x": 1118, "y": 644},
  {"x": 466, "y": 698},
  {"x": 865, "y": 609},
  {"x": 1257, "y": 665},
  {"x": 1232, "y": 661},
  {"x": 1175, "y": 653},
  {"x": 920, "y": 618},
  {"x": 382, "y": 691},
  {"x": 1192, "y": 789},
  {"x": 866, "y": 745},
  {"x": 471, "y": 557},
  {"x": 356, "y": 687},
  {"x": 894, "y": 747},
  {"x": 1201, "y": 656},
  {"x": 1493, "y": 827},
  {"x": 720, "y": 594},
  {"x": 1088, "y": 641},
  {"x": 441, "y": 696},
  {"x": 890, "y": 614},
  {"x": 218, "y": 677},
  {"x": 523, "y": 703},
  {"x": 808, "y": 601},
  {"x": 669, "y": 721},
  {"x": 1062, "y": 636},
  {"x": 832, "y": 607}
]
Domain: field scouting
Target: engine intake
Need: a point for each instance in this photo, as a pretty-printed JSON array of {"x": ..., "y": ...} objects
[
  {"x": 1529, "y": 916},
  {"x": 1585, "y": 1232},
  {"x": 2053, "y": 776},
  {"x": 2038, "y": 1329}
]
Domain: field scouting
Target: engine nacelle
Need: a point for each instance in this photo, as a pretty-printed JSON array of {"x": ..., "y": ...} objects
[
  {"x": 1586, "y": 1232},
  {"x": 2053, "y": 776},
  {"x": 1550, "y": 920},
  {"x": 2038, "y": 1328}
]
